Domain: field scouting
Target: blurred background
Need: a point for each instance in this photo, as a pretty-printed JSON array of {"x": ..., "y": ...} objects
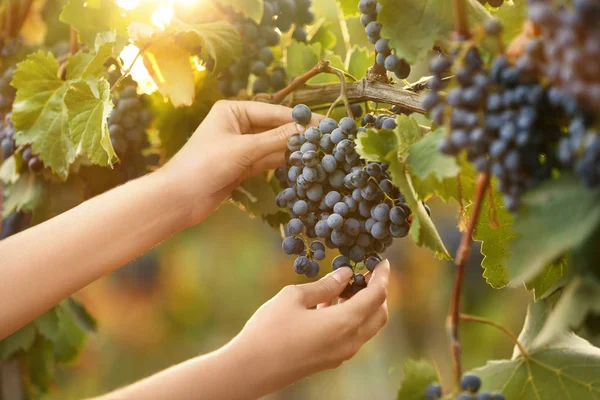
[{"x": 194, "y": 292}]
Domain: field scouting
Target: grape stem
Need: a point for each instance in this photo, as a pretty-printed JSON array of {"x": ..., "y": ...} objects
[
  {"x": 460, "y": 16},
  {"x": 278, "y": 97},
  {"x": 462, "y": 257},
  {"x": 485, "y": 321},
  {"x": 343, "y": 98},
  {"x": 74, "y": 41}
]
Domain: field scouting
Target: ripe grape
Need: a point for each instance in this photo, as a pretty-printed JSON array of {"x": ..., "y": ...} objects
[
  {"x": 470, "y": 382},
  {"x": 301, "y": 114}
]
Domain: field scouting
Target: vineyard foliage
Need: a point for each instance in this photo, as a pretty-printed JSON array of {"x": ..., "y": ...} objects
[{"x": 79, "y": 118}]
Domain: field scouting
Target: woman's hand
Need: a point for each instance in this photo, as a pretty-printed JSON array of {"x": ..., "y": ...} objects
[
  {"x": 237, "y": 139},
  {"x": 287, "y": 339}
]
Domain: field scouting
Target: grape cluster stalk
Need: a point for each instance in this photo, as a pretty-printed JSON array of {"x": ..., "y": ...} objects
[
  {"x": 127, "y": 124},
  {"x": 470, "y": 385},
  {"x": 279, "y": 16},
  {"x": 335, "y": 196},
  {"x": 386, "y": 57}
]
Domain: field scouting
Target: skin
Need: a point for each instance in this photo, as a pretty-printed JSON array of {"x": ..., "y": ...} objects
[{"x": 302, "y": 330}]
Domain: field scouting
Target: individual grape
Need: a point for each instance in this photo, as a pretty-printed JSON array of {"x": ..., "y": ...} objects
[
  {"x": 381, "y": 212},
  {"x": 339, "y": 262},
  {"x": 352, "y": 227},
  {"x": 313, "y": 135},
  {"x": 357, "y": 110},
  {"x": 470, "y": 382},
  {"x": 300, "y": 207},
  {"x": 380, "y": 230},
  {"x": 335, "y": 221},
  {"x": 315, "y": 192},
  {"x": 332, "y": 198},
  {"x": 399, "y": 231},
  {"x": 322, "y": 229},
  {"x": 313, "y": 269},
  {"x": 341, "y": 208},
  {"x": 302, "y": 265},
  {"x": 292, "y": 245},
  {"x": 310, "y": 158},
  {"x": 301, "y": 114},
  {"x": 327, "y": 125},
  {"x": 300, "y": 34},
  {"x": 357, "y": 253},
  {"x": 433, "y": 391},
  {"x": 308, "y": 146},
  {"x": 295, "y": 226}
]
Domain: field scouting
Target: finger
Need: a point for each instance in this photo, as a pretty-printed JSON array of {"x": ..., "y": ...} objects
[
  {"x": 253, "y": 114},
  {"x": 325, "y": 289},
  {"x": 374, "y": 323},
  {"x": 324, "y": 305},
  {"x": 368, "y": 300},
  {"x": 263, "y": 144}
]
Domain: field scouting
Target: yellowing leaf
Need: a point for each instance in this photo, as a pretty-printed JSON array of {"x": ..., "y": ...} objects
[
  {"x": 170, "y": 68},
  {"x": 91, "y": 65},
  {"x": 39, "y": 113},
  {"x": 89, "y": 105}
]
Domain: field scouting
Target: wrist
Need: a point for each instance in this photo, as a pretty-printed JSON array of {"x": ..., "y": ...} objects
[{"x": 170, "y": 193}]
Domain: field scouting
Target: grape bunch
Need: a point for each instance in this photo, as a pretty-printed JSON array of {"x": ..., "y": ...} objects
[
  {"x": 385, "y": 55},
  {"x": 127, "y": 124},
  {"x": 278, "y": 16},
  {"x": 502, "y": 116},
  {"x": 334, "y": 196},
  {"x": 567, "y": 55},
  {"x": 469, "y": 384}
]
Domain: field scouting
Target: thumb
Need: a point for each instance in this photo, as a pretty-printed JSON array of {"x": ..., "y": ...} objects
[
  {"x": 327, "y": 288},
  {"x": 269, "y": 142}
]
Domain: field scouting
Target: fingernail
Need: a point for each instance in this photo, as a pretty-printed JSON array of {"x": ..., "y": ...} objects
[
  {"x": 342, "y": 275},
  {"x": 301, "y": 128}
]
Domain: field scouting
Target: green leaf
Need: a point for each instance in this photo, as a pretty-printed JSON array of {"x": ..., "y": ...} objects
[
  {"x": 548, "y": 225},
  {"x": 579, "y": 299},
  {"x": 512, "y": 15},
  {"x": 417, "y": 376},
  {"x": 564, "y": 369},
  {"x": 358, "y": 61},
  {"x": 72, "y": 335},
  {"x": 545, "y": 282},
  {"x": 89, "y": 104},
  {"x": 89, "y": 21},
  {"x": 85, "y": 319},
  {"x": 48, "y": 324},
  {"x": 90, "y": 66},
  {"x": 250, "y": 8},
  {"x": 219, "y": 40},
  {"x": 425, "y": 159},
  {"x": 349, "y": 7},
  {"x": 301, "y": 57},
  {"x": 414, "y": 26},
  {"x": 377, "y": 145},
  {"x": 41, "y": 365},
  {"x": 256, "y": 196},
  {"x": 409, "y": 132},
  {"x": 324, "y": 36},
  {"x": 39, "y": 113},
  {"x": 494, "y": 230},
  {"x": 10, "y": 169},
  {"x": 20, "y": 340},
  {"x": 422, "y": 231},
  {"x": 24, "y": 194}
]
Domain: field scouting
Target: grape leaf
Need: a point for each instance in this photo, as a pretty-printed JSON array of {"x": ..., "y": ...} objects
[
  {"x": 414, "y": 26},
  {"x": 91, "y": 65},
  {"x": 41, "y": 364},
  {"x": 548, "y": 225},
  {"x": 72, "y": 335},
  {"x": 24, "y": 194},
  {"x": 349, "y": 7},
  {"x": 512, "y": 15},
  {"x": 89, "y": 20},
  {"x": 48, "y": 324},
  {"x": 565, "y": 368},
  {"x": 20, "y": 340},
  {"x": 545, "y": 282},
  {"x": 324, "y": 36},
  {"x": 10, "y": 169},
  {"x": 219, "y": 40},
  {"x": 256, "y": 196},
  {"x": 425, "y": 160},
  {"x": 377, "y": 145},
  {"x": 358, "y": 61},
  {"x": 422, "y": 231},
  {"x": 409, "y": 132},
  {"x": 580, "y": 298},
  {"x": 39, "y": 113},
  {"x": 86, "y": 320},
  {"x": 417, "y": 376},
  {"x": 170, "y": 68},
  {"x": 89, "y": 104},
  {"x": 301, "y": 57},
  {"x": 250, "y": 8},
  {"x": 494, "y": 230}
]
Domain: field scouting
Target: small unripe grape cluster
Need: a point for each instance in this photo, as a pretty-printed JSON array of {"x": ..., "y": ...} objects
[
  {"x": 469, "y": 385},
  {"x": 335, "y": 196}
]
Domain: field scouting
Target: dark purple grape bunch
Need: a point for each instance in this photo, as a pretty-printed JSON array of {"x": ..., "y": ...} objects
[
  {"x": 257, "y": 40},
  {"x": 501, "y": 115},
  {"x": 335, "y": 196},
  {"x": 385, "y": 55}
]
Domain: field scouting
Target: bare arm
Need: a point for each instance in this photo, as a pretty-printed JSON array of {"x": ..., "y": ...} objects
[{"x": 44, "y": 264}]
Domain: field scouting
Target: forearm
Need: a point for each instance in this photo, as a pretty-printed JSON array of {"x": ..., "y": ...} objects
[
  {"x": 48, "y": 262},
  {"x": 232, "y": 372}
]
